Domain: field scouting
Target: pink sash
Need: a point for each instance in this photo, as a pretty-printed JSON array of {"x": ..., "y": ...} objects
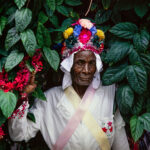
[{"x": 75, "y": 119}]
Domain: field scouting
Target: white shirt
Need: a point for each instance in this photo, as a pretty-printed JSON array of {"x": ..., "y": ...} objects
[{"x": 52, "y": 116}]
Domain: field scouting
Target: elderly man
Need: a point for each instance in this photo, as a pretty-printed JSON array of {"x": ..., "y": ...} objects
[{"x": 79, "y": 114}]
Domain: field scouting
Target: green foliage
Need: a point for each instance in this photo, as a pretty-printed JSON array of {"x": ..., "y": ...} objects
[
  {"x": 23, "y": 18},
  {"x": 14, "y": 58},
  {"x": 8, "y": 102},
  {"x": 106, "y": 4},
  {"x": 63, "y": 10},
  {"x": 52, "y": 57},
  {"x": 20, "y": 3},
  {"x": 29, "y": 41},
  {"x": 73, "y": 2},
  {"x": 3, "y": 21}
]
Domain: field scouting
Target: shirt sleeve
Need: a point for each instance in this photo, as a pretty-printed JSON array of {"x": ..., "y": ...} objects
[
  {"x": 120, "y": 138},
  {"x": 21, "y": 128}
]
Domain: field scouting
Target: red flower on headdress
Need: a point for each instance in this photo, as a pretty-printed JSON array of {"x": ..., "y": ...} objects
[{"x": 85, "y": 36}]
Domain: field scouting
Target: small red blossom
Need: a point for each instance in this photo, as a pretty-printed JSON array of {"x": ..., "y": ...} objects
[
  {"x": 101, "y": 47},
  {"x": 104, "y": 129},
  {"x": 109, "y": 123},
  {"x": 1, "y": 133},
  {"x": 111, "y": 129},
  {"x": 85, "y": 36}
]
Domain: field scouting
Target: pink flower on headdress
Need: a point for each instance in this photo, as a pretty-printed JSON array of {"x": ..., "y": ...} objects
[
  {"x": 85, "y": 23},
  {"x": 85, "y": 36}
]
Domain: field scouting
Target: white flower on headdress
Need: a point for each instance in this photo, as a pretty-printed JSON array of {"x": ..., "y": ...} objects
[{"x": 85, "y": 23}]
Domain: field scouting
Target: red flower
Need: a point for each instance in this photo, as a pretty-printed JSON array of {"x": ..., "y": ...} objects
[
  {"x": 101, "y": 48},
  {"x": 104, "y": 129},
  {"x": 1, "y": 133},
  {"x": 111, "y": 129},
  {"x": 85, "y": 36},
  {"x": 109, "y": 123}
]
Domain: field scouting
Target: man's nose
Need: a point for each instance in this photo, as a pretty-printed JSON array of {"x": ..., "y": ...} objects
[{"x": 86, "y": 68}]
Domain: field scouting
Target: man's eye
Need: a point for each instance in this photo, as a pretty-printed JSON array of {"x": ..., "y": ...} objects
[
  {"x": 92, "y": 63},
  {"x": 80, "y": 63}
]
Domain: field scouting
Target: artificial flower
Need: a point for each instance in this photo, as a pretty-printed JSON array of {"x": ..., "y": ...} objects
[
  {"x": 77, "y": 30},
  {"x": 68, "y": 32},
  {"x": 100, "y": 34},
  {"x": 85, "y": 36},
  {"x": 93, "y": 30},
  {"x": 85, "y": 23},
  {"x": 70, "y": 42}
]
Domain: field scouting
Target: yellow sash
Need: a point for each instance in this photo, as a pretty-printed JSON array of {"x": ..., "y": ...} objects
[{"x": 89, "y": 120}]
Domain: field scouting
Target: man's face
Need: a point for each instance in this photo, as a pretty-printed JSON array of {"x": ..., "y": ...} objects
[{"x": 84, "y": 67}]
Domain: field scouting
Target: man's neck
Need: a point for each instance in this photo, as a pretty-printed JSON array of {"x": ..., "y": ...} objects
[{"x": 80, "y": 89}]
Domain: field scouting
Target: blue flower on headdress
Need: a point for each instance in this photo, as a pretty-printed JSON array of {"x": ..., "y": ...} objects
[
  {"x": 93, "y": 30},
  {"x": 77, "y": 30}
]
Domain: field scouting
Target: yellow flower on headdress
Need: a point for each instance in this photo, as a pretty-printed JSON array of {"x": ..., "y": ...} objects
[
  {"x": 100, "y": 34},
  {"x": 68, "y": 32}
]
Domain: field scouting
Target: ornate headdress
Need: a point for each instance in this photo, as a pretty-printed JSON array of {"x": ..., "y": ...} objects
[{"x": 82, "y": 35}]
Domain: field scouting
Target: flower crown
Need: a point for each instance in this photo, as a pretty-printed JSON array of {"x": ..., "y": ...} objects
[{"x": 82, "y": 35}]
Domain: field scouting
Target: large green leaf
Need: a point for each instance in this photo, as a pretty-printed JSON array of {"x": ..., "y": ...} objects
[
  {"x": 42, "y": 17},
  {"x": 134, "y": 57},
  {"x": 125, "y": 97},
  {"x": 114, "y": 74},
  {"x": 3, "y": 21},
  {"x": 14, "y": 58},
  {"x": 146, "y": 60},
  {"x": 29, "y": 41},
  {"x": 23, "y": 18},
  {"x": 141, "y": 40},
  {"x": 59, "y": 2},
  {"x": 67, "y": 22},
  {"x": 31, "y": 117},
  {"x": 20, "y": 3},
  {"x": 73, "y": 2},
  {"x": 2, "y": 62},
  {"x": 38, "y": 93},
  {"x": 7, "y": 103},
  {"x": 43, "y": 36},
  {"x": 140, "y": 8},
  {"x": 117, "y": 51},
  {"x": 51, "y": 4},
  {"x": 63, "y": 10},
  {"x": 136, "y": 128},
  {"x": 124, "y": 30},
  {"x": 145, "y": 119},
  {"x": 12, "y": 38},
  {"x": 106, "y": 4},
  {"x": 54, "y": 20},
  {"x": 137, "y": 78},
  {"x": 102, "y": 16},
  {"x": 52, "y": 57}
]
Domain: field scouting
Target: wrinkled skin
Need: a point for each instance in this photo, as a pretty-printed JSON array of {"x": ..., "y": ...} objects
[{"x": 83, "y": 70}]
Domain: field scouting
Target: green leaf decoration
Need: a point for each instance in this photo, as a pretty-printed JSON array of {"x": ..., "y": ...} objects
[
  {"x": 141, "y": 40},
  {"x": 59, "y": 2},
  {"x": 12, "y": 38},
  {"x": 38, "y": 93},
  {"x": 14, "y": 58},
  {"x": 2, "y": 62},
  {"x": 137, "y": 78},
  {"x": 114, "y": 74},
  {"x": 63, "y": 10},
  {"x": 43, "y": 36},
  {"x": 145, "y": 119},
  {"x": 117, "y": 51},
  {"x": 54, "y": 20},
  {"x": 102, "y": 16},
  {"x": 106, "y": 4},
  {"x": 136, "y": 128},
  {"x": 29, "y": 41},
  {"x": 52, "y": 57},
  {"x": 31, "y": 117},
  {"x": 141, "y": 8},
  {"x": 51, "y": 4},
  {"x": 2, "y": 118},
  {"x": 42, "y": 17},
  {"x": 146, "y": 60},
  {"x": 23, "y": 18},
  {"x": 124, "y": 98},
  {"x": 3, "y": 22},
  {"x": 73, "y": 2},
  {"x": 134, "y": 57},
  {"x": 20, "y": 3},
  {"x": 124, "y": 30},
  {"x": 8, "y": 102},
  {"x": 138, "y": 105}
]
